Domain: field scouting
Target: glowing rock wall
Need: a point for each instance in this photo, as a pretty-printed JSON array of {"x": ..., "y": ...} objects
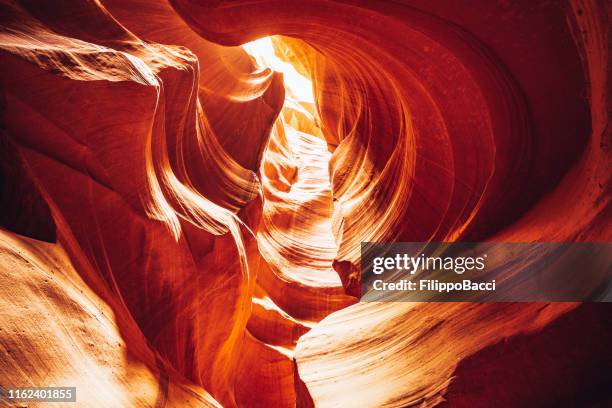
[{"x": 213, "y": 222}]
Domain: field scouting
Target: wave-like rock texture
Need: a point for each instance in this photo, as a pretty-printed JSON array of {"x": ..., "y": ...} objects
[
  {"x": 57, "y": 330},
  {"x": 203, "y": 201}
]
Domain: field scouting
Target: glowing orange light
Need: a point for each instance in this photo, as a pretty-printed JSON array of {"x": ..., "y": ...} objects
[{"x": 298, "y": 87}]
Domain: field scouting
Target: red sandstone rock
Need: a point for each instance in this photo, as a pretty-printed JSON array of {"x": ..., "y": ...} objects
[{"x": 211, "y": 218}]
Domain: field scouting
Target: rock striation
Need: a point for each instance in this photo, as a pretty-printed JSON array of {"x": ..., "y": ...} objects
[{"x": 186, "y": 184}]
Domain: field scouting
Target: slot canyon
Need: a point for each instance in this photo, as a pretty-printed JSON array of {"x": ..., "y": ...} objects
[{"x": 185, "y": 186}]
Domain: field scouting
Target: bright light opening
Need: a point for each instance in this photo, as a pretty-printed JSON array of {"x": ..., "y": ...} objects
[
  {"x": 298, "y": 87},
  {"x": 298, "y": 202}
]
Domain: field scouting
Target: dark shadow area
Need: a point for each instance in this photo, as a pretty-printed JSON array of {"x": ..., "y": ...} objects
[
  {"x": 23, "y": 209},
  {"x": 567, "y": 364}
]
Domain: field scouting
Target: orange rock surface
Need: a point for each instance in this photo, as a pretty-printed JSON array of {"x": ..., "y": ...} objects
[{"x": 186, "y": 184}]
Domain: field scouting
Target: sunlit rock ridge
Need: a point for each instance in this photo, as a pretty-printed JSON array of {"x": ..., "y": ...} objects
[{"x": 185, "y": 186}]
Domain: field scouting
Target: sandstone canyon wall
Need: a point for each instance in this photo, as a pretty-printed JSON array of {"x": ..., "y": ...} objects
[{"x": 185, "y": 186}]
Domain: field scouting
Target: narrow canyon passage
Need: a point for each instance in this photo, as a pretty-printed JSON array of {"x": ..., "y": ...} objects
[
  {"x": 295, "y": 237},
  {"x": 300, "y": 219},
  {"x": 185, "y": 188},
  {"x": 296, "y": 285}
]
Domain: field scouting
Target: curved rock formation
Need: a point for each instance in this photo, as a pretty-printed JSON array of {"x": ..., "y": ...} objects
[
  {"x": 56, "y": 331},
  {"x": 208, "y": 171}
]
